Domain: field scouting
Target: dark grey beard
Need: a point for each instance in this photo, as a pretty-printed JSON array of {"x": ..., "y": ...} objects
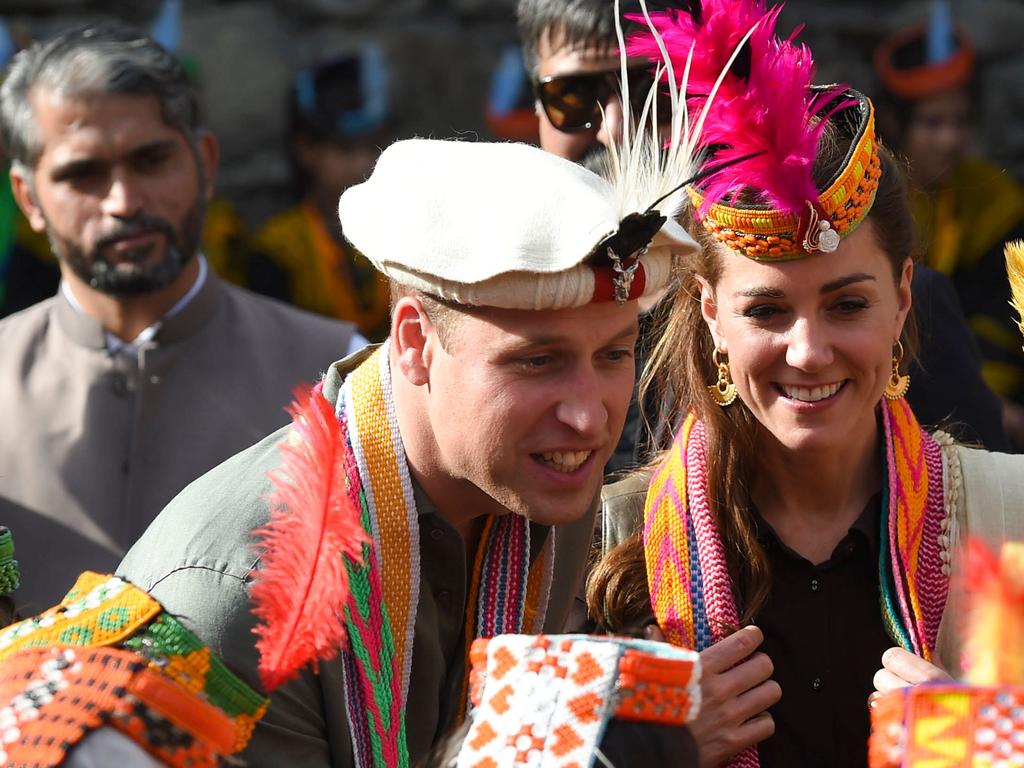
[{"x": 113, "y": 278}]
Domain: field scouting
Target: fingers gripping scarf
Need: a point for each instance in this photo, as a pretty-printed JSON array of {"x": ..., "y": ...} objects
[{"x": 691, "y": 591}]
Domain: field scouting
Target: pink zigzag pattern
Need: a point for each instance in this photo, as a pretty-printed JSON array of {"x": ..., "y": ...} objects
[
  {"x": 916, "y": 512},
  {"x": 718, "y": 597},
  {"x": 898, "y": 509},
  {"x": 666, "y": 490},
  {"x": 665, "y": 534},
  {"x": 915, "y": 517}
]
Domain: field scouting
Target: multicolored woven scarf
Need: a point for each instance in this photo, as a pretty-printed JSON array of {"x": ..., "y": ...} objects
[
  {"x": 508, "y": 593},
  {"x": 691, "y": 591}
]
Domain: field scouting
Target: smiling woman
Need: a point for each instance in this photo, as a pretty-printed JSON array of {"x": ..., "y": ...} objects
[{"x": 800, "y": 494}]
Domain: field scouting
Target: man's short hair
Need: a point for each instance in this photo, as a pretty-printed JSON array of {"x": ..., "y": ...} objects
[
  {"x": 575, "y": 23},
  {"x": 93, "y": 60},
  {"x": 445, "y": 316}
]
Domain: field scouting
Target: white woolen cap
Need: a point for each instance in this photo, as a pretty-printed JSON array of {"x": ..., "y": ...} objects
[{"x": 501, "y": 225}]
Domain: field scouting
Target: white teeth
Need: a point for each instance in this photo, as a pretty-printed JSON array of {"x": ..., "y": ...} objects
[
  {"x": 565, "y": 461},
  {"x": 812, "y": 394}
]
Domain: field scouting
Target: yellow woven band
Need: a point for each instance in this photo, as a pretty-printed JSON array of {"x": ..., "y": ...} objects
[{"x": 774, "y": 235}]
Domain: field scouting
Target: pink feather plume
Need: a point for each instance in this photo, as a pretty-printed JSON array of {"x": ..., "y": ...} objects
[
  {"x": 722, "y": 26},
  {"x": 302, "y": 585},
  {"x": 771, "y": 114}
]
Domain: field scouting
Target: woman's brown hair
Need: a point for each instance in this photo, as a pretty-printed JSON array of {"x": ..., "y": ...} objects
[{"x": 678, "y": 373}]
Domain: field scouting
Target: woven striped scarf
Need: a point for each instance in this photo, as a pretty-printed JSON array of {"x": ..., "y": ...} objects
[
  {"x": 691, "y": 591},
  {"x": 508, "y": 593}
]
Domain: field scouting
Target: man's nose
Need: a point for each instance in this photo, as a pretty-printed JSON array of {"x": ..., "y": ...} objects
[
  {"x": 582, "y": 406},
  {"x": 123, "y": 198},
  {"x": 611, "y": 126}
]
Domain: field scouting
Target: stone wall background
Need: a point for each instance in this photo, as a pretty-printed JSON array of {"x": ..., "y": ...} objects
[{"x": 442, "y": 53}]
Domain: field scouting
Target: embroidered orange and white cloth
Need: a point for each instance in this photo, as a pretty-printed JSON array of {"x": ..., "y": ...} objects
[
  {"x": 544, "y": 701},
  {"x": 977, "y": 722},
  {"x": 951, "y": 725}
]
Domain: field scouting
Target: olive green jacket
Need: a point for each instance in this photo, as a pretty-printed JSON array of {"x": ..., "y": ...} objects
[
  {"x": 984, "y": 498},
  {"x": 197, "y": 560}
]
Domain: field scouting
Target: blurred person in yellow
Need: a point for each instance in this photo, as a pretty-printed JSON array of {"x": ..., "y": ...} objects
[
  {"x": 339, "y": 119},
  {"x": 964, "y": 207}
]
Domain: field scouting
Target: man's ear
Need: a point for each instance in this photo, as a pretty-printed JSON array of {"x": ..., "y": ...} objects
[
  {"x": 25, "y": 196},
  {"x": 709, "y": 310},
  {"x": 209, "y": 159},
  {"x": 411, "y": 331}
]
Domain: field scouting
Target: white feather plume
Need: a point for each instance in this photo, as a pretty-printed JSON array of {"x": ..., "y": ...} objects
[{"x": 647, "y": 165}]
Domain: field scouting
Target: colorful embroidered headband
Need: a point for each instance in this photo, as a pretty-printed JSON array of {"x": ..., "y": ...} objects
[
  {"x": 109, "y": 655},
  {"x": 547, "y": 699},
  {"x": 763, "y": 131},
  {"x": 978, "y": 722},
  {"x": 771, "y": 234}
]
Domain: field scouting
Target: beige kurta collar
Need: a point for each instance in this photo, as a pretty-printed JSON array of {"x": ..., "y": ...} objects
[{"x": 88, "y": 332}]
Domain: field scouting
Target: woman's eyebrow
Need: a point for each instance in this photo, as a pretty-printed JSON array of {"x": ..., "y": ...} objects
[
  {"x": 842, "y": 282},
  {"x": 761, "y": 292}
]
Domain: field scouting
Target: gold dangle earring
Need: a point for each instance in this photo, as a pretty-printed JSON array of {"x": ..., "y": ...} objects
[
  {"x": 897, "y": 385},
  {"x": 723, "y": 391}
]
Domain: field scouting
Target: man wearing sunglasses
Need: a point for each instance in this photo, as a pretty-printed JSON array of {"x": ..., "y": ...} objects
[
  {"x": 570, "y": 48},
  {"x": 571, "y": 51}
]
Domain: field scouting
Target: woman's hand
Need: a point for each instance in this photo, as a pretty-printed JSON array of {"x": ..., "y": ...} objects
[
  {"x": 901, "y": 668},
  {"x": 736, "y": 691}
]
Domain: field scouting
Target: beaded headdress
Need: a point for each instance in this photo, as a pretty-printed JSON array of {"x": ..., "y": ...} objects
[
  {"x": 108, "y": 656},
  {"x": 546, "y": 700},
  {"x": 766, "y": 126}
]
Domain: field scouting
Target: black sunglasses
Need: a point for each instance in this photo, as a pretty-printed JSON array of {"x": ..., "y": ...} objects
[{"x": 573, "y": 102}]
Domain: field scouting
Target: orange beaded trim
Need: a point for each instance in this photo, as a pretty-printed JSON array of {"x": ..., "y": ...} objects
[
  {"x": 655, "y": 689},
  {"x": 774, "y": 235}
]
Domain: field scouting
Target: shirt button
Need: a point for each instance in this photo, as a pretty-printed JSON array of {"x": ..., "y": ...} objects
[
  {"x": 815, "y": 585},
  {"x": 436, "y": 534},
  {"x": 816, "y": 684},
  {"x": 120, "y": 385},
  {"x": 444, "y": 599}
]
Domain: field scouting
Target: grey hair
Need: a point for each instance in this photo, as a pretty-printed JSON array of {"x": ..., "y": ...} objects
[
  {"x": 588, "y": 23},
  {"x": 93, "y": 60}
]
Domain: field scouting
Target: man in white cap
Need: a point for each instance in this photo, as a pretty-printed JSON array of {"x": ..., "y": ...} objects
[{"x": 472, "y": 447}]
